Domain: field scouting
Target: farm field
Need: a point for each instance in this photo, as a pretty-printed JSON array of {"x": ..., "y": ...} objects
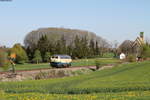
[
  {"x": 75, "y": 63},
  {"x": 123, "y": 82}
]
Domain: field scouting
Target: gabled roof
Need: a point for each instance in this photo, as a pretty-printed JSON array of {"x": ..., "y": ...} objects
[
  {"x": 138, "y": 42},
  {"x": 127, "y": 44}
]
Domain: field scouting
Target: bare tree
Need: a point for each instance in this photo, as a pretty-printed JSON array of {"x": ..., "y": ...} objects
[
  {"x": 54, "y": 34},
  {"x": 126, "y": 47}
]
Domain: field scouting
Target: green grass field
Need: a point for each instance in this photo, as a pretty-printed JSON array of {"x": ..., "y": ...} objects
[
  {"x": 75, "y": 63},
  {"x": 123, "y": 82},
  {"x": 91, "y": 62}
]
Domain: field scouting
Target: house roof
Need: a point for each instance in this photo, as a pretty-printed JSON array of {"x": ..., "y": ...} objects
[{"x": 139, "y": 41}]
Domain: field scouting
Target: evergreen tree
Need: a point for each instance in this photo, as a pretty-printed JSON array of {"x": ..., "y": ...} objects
[
  {"x": 63, "y": 45},
  {"x": 58, "y": 47},
  {"x": 77, "y": 48},
  {"x": 84, "y": 47},
  {"x": 43, "y": 45},
  {"x": 47, "y": 56},
  {"x": 91, "y": 47},
  {"x": 37, "y": 57},
  {"x": 21, "y": 56},
  {"x": 97, "y": 51},
  {"x": 29, "y": 53},
  {"x": 70, "y": 50}
]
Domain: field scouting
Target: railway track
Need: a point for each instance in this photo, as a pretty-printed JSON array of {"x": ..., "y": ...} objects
[
  {"x": 47, "y": 69},
  {"x": 41, "y": 69}
]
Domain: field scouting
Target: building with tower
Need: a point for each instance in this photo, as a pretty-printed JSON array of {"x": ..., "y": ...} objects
[{"x": 137, "y": 44}]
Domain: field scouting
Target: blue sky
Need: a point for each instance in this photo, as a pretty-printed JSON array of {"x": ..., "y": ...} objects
[{"x": 111, "y": 19}]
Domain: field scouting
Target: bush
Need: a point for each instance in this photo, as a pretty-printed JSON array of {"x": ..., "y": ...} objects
[
  {"x": 108, "y": 55},
  {"x": 131, "y": 58},
  {"x": 41, "y": 75},
  {"x": 21, "y": 56},
  {"x": 145, "y": 51},
  {"x": 98, "y": 64},
  {"x": 4, "y": 62}
]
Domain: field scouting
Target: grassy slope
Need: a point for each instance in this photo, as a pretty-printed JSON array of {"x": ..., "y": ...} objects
[{"x": 126, "y": 77}]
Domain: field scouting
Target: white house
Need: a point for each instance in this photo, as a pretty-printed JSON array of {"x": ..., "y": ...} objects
[{"x": 122, "y": 56}]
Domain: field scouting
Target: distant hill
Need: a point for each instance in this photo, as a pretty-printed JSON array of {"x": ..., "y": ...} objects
[{"x": 55, "y": 34}]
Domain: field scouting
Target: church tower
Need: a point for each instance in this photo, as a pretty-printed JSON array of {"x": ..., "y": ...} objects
[
  {"x": 138, "y": 43},
  {"x": 142, "y": 37}
]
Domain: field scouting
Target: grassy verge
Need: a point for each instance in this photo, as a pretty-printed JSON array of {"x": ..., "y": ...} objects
[{"x": 91, "y": 62}]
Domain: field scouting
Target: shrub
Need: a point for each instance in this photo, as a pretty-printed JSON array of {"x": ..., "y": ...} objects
[
  {"x": 4, "y": 62},
  {"x": 145, "y": 51},
  {"x": 131, "y": 58},
  {"x": 41, "y": 75},
  {"x": 21, "y": 56},
  {"x": 108, "y": 55},
  {"x": 98, "y": 64}
]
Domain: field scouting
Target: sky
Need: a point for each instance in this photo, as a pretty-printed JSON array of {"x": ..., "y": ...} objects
[{"x": 111, "y": 19}]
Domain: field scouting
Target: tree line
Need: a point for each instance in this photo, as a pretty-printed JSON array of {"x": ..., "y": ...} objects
[
  {"x": 78, "y": 48},
  {"x": 41, "y": 44}
]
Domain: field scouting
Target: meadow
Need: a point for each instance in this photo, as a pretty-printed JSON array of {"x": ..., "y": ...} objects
[{"x": 122, "y": 82}]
